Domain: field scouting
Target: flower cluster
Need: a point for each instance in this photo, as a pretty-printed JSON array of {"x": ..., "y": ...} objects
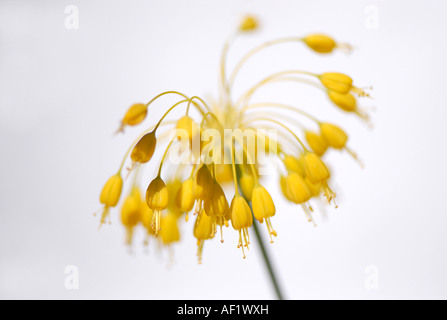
[{"x": 224, "y": 144}]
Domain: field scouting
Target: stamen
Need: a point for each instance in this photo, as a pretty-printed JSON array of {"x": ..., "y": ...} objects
[{"x": 308, "y": 214}]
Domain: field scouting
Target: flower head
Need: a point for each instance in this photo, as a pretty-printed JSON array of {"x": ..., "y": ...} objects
[{"x": 217, "y": 166}]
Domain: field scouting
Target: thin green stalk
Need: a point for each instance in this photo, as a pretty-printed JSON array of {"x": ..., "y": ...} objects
[
  {"x": 265, "y": 255},
  {"x": 269, "y": 266}
]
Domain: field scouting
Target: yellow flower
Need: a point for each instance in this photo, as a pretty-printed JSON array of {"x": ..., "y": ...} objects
[
  {"x": 144, "y": 149},
  {"x": 316, "y": 170},
  {"x": 334, "y": 136},
  {"x": 296, "y": 188},
  {"x": 337, "y": 82},
  {"x": 185, "y": 196},
  {"x": 316, "y": 143},
  {"x": 217, "y": 205},
  {"x": 345, "y": 101},
  {"x": 247, "y": 183},
  {"x": 249, "y": 23},
  {"x": 241, "y": 220},
  {"x": 134, "y": 116},
  {"x": 294, "y": 164},
  {"x": 203, "y": 230},
  {"x": 110, "y": 194},
  {"x": 264, "y": 208},
  {"x": 220, "y": 136},
  {"x": 131, "y": 213},
  {"x": 157, "y": 197},
  {"x": 187, "y": 124},
  {"x": 203, "y": 184},
  {"x": 320, "y": 43},
  {"x": 169, "y": 231}
]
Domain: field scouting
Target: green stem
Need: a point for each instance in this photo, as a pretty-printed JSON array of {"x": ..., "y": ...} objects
[
  {"x": 264, "y": 252},
  {"x": 269, "y": 266}
]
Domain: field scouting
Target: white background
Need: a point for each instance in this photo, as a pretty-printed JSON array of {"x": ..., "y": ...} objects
[{"x": 62, "y": 93}]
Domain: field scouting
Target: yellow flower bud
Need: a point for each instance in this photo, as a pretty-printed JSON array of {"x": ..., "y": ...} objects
[
  {"x": 187, "y": 124},
  {"x": 248, "y": 24},
  {"x": 247, "y": 183},
  {"x": 296, "y": 188},
  {"x": 346, "y": 102},
  {"x": 157, "y": 195},
  {"x": 316, "y": 170},
  {"x": 241, "y": 216},
  {"x": 316, "y": 143},
  {"x": 320, "y": 43},
  {"x": 334, "y": 136},
  {"x": 144, "y": 149},
  {"x": 294, "y": 164},
  {"x": 337, "y": 82},
  {"x": 169, "y": 231},
  {"x": 134, "y": 115},
  {"x": 203, "y": 184},
  {"x": 185, "y": 196},
  {"x": 217, "y": 205},
  {"x": 111, "y": 191}
]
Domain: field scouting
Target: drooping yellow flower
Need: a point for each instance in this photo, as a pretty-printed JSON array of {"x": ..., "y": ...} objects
[
  {"x": 169, "y": 231},
  {"x": 187, "y": 124},
  {"x": 157, "y": 197},
  {"x": 316, "y": 170},
  {"x": 185, "y": 196},
  {"x": 241, "y": 220},
  {"x": 247, "y": 183},
  {"x": 334, "y": 136},
  {"x": 337, "y": 82},
  {"x": 144, "y": 149},
  {"x": 316, "y": 143},
  {"x": 203, "y": 184},
  {"x": 203, "y": 230},
  {"x": 131, "y": 213},
  {"x": 264, "y": 208},
  {"x": 320, "y": 43},
  {"x": 134, "y": 116},
  {"x": 294, "y": 164},
  {"x": 296, "y": 188},
  {"x": 110, "y": 194}
]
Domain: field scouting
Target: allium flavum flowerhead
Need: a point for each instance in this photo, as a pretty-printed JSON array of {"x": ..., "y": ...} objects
[{"x": 232, "y": 143}]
